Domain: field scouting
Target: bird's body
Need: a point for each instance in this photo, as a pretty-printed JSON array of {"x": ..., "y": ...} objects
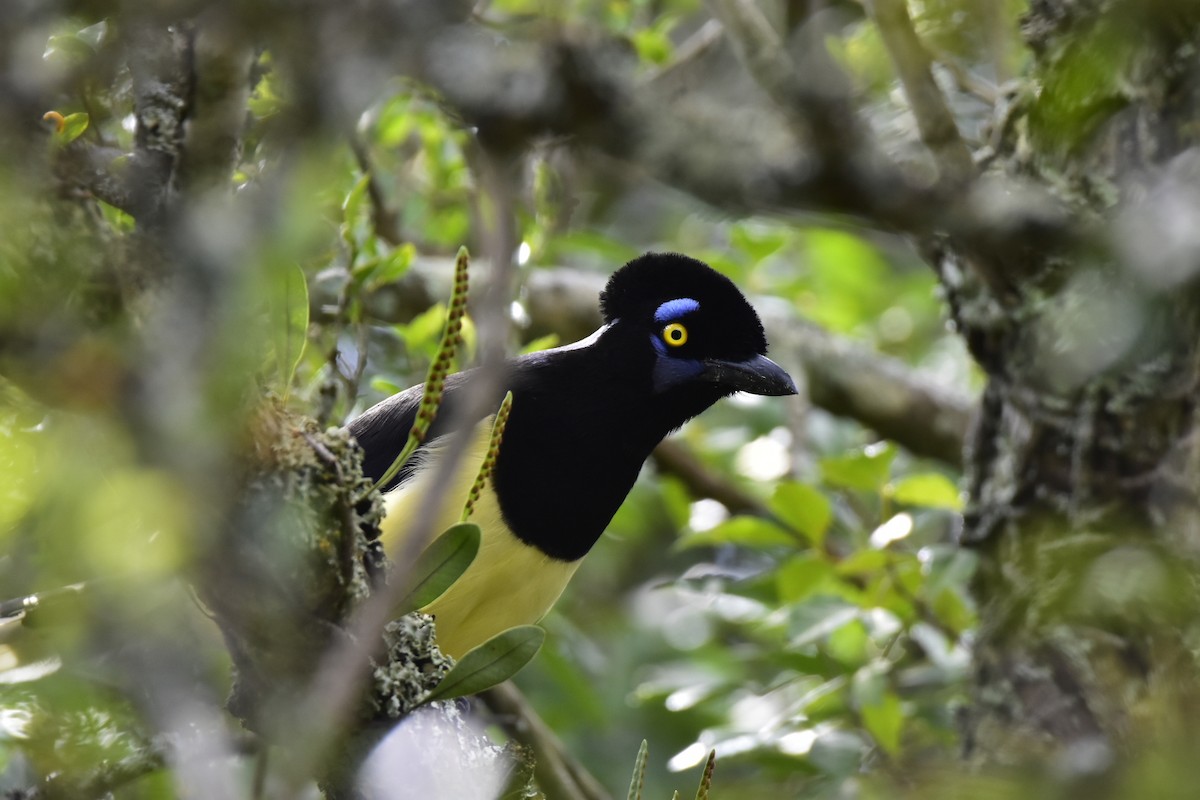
[{"x": 584, "y": 419}]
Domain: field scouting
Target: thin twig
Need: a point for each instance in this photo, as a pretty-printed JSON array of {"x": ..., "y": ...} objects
[
  {"x": 557, "y": 773},
  {"x": 689, "y": 51},
  {"x": 383, "y": 217},
  {"x": 934, "y": 120},
  {"x": 969, "y": 82}
]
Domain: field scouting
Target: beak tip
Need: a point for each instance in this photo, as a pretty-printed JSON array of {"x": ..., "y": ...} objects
[{"x": 759, "y": 375}]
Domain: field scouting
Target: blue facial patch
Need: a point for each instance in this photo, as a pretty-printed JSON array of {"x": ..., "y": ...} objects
[
  {"x": 674, "y": 309},
  {"x": 669, "y": 372}
]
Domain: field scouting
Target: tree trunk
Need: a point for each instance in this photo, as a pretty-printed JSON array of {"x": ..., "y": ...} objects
[{"x": 1082, "y": 468}]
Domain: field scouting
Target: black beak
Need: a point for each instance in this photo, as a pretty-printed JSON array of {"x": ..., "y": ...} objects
[{"x": 757, "y": 375}]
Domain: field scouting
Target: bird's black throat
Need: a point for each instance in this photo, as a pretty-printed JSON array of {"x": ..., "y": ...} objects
[{"x": 583, "y": 422}]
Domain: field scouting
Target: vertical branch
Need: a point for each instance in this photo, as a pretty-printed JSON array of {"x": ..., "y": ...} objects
[
  {"x": 934, "y": 120},
  {"x": 220, "y": 89},
  {"x": 161, "y": 87}
]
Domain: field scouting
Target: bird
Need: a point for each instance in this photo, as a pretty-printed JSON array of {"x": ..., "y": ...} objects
[{"x": 677, "y": 336}]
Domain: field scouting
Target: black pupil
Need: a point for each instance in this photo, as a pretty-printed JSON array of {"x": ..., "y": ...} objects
[{"x": 676, "y": 334}]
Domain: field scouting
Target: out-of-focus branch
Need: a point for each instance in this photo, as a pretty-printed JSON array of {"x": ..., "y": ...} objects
[
  {"x": 883, "y": 393},
  {"x": 161, "y": 86},
  {"x": 85, "y": 167},
  {"x": 586, "y": 89},
  {"x": 220, "y": 64},
  {"x": 383, "y": 217},
  {"x": 934, "y": 120},
  {"x": 556, "y": 772},
  {"x": 690, "y": 50},
  {"x": 675, "y": 458},
  {"x": 816, "y": 103},
  {"x": 843, "y": 377}
]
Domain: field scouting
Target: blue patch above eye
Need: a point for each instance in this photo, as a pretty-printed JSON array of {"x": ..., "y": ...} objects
[{"x": 674, "y": 309}]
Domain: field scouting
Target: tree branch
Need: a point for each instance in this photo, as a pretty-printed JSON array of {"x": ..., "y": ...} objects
[
  {"x": 844, "y": 378},
  {"x": 556, "y": 772},
  {"x": 674, "y": 457},
  {"x": 850, "y": 380},
  {"x": 220, "y": 64},
  {"x": 934, "y": 120},
  {"x": 383, "y": 217},
  {"x": 816, "y": 105}
]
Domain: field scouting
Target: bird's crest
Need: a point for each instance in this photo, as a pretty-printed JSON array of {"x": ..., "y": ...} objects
[{"x": 660, "y": 287}]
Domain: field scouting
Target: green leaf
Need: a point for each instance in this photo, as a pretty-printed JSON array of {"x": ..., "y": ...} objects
[
  {"x": 392, "y": 267},
  {"x": 802, "y": 576},
  {"x": 866, "y": 469},
  {"x": 757, "y": 241},
  {"x": 421, "y": 333},
  {"x": 804, "y": 508},
  {"x": 69, "y": 50},
  {"x": 849, "y": 644},
  {"x": 73, "y": 127},
  {"x": 832, "y": 619},
  {"x": 927, "y": 490},
  {"x": 952, "y": 609},
  {"x": 288, "y": 309},
  {"x": 354, "y": 199},
  {"x": 653, "y": 45},
  {"x": 863, "y": 562},
  {"x": 639, "y": 772},
  {"x": 444, "y": 561},
  {"x": 884, "y": 720},
  {"x": 492, "y": 662},
  {"x": 750, "y": 532}
]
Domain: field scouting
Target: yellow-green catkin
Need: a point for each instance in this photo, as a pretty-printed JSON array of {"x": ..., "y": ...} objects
[
  {"x": 439, "y": 368},
  {"x": 489, "y": 461}
]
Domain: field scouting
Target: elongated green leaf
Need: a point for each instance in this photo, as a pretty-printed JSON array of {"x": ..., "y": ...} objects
[
  {"x": 884, "y": 720},
  {"x": 927, "y": 490},
  {"x": 492, "y": 662},
  {"x": 744, "y": 531},
  {"x": 351, "y": 207},
  {"x": 639, "y": 772},
  {"x": 443, "y": 562},
  {"x": 289, "y": 321},
  {"x": 706, "y": 779}
]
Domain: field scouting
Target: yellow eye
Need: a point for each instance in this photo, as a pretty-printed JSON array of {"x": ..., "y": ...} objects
[{"x": 675, "y": 335}]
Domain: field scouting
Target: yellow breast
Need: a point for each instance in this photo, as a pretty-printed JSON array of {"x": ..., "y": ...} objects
[{"x": 509, "y": 583}]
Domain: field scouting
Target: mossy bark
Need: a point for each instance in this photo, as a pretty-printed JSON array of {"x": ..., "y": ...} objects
[{"x": 1082, "y": 466}]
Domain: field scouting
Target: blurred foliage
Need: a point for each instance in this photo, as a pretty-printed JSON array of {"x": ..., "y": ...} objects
[{"x": 804, "y": 648}]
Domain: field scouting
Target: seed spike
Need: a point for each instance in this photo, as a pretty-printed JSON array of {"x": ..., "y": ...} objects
[
  {"x": 489, "y": 460},
  {"x": 439, "y": 367}
]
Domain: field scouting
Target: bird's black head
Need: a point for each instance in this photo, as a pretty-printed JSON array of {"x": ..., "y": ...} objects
[{"x": 706, "y": 339}]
